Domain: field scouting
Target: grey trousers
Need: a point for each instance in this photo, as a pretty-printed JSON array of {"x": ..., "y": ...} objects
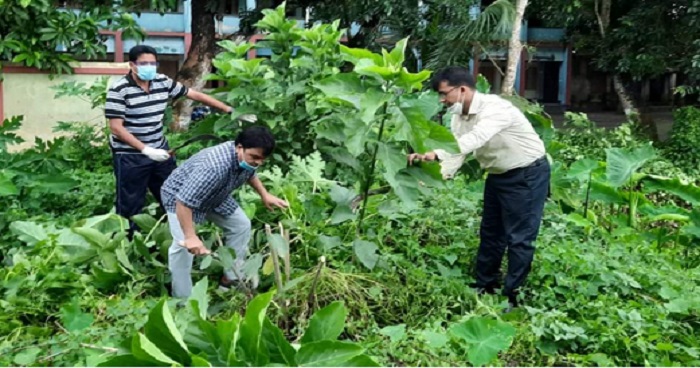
[{"x": 236, "y": 229}]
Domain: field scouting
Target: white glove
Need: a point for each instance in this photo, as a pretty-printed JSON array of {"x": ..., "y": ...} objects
[
  {"x": 156, "y": 154},
  {"x": 248, "y": 118}
]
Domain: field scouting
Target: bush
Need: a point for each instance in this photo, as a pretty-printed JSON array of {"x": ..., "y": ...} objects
[{"x": 682, "y": 145}]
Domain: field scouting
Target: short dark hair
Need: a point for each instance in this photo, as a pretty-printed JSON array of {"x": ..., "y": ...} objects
[
  {"x": 139, "y": 50},
  {"x": 455, "y": 76},
  {"x": 257, "y": 137}
]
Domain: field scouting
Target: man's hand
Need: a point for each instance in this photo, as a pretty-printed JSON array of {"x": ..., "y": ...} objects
[
  {"x": 417, "y": 157},
  {"x": 156, "y": 154},
  {"x": 248, "y": 118},
  {"x": 195, "y": 246},
  {"x": 271, "y": 202}
]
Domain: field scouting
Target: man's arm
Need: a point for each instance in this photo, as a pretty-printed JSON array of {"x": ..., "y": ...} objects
[
  {"x": 116, "y": 126},
  {"x": 192, "y": 241},
  {"x": 268, "y": 199},
  {"x": 490, "y": 124},
  {"x": 208, "y": 100}
]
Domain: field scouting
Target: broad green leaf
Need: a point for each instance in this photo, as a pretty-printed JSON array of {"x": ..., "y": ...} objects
[
  {"x": 581, "y": 169},
  {"x": 145, "y": 349},
  {"x": 198, "y": 361},
  {"x": 361, "y": 360},
  {"x": 329, "y": 242},
  {"x": 485, "y": 337},
  {"x": 28, "y": 232},
  {"x": 692, "y": 230},
  {"x": 354, "y": 55},
  {"x": 280, "y": 245},
  {"x": 440, "y": 137},
  {"x": 200, "y": 298},
  {"x": 326, "y": 324},
  {"x": 162, "y": 331},
  {"x": 229, "y": 334},
  {"x": 94, "y": 236},
  {"x": 606, "y": 193},
  {"x": 123, "y": 259},
  {"x": 394, "y": 333},
  {"x": 396, "y": 57},
  {"x": 78, "y": 249},
  {"x": 54, "y": 184},
  {"x": 327, "y": 354},
  {"x": 391, "y": 157},
  {"x": 127, "y": 360},
  {"x": 435, "y": 340},
  {"x": 665, "y": 213},
  {"x": 622, "y": 163},
  {"x": 73, "y": 318},
  {"x": 367, "y": 67},
  {"x": 412, "y": 81},
  {"x": 145, "y": 222},
  {"x": 482, "y": 84},
  {"x": 251, "y": 341},
  {"x": 7, "y": 187},
  {"x": 27, "y": 357},
  {"x": 578, "y": 219},
  {"x": 344, "y": 87},
  {"x": 281, "y": 351},
  {"x": 686, "y": 191},
  {"x": 268, "y": 266},
  {"x": 343, "y": 197},
  {"x": 366, "y": 252}
]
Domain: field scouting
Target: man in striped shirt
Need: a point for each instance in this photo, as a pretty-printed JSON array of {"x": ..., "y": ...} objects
[{"x": 135, "y": 107}]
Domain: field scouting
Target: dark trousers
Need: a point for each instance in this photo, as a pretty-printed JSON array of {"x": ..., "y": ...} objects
[
  {"x": 513, "y": 207},
  {"x": 136, "y": 173}
]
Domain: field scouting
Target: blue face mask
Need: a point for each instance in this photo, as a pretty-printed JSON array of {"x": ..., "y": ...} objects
[
  {"x": 246, "y": 166},
  {"x": 146, "y": 72}
]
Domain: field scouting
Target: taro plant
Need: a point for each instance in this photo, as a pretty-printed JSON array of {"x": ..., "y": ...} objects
[{"x": 249, "y": 340}]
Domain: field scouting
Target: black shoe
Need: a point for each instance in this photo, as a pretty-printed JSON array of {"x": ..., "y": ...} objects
[{"x": 512, "y": 301}]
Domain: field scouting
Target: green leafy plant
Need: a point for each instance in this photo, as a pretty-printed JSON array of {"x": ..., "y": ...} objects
[{"x": 250, "y": 340}]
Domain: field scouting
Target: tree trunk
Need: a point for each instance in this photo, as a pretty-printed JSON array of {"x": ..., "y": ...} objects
[
  {"x": 198, "y": 62},
  {"x": 602, "y": 12},
  {"x": 514, "y": 49},
  {"x": 627, "y": 102}
]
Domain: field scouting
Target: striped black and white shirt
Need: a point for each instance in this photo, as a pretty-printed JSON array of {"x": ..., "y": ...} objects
[{"x": 142, "y": 111}]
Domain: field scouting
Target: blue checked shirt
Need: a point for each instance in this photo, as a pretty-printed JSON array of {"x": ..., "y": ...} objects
[{"x": 205, "y": 182}]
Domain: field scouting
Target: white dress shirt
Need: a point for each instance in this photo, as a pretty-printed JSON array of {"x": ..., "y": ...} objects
[{"x": 497, "y": 132}]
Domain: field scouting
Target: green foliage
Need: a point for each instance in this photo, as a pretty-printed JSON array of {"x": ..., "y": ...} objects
[
  {"x": 681, "y": 147},
  {"x": 625, "y": 49},
  {"x": 249, "y": 340},
  {"x": 36, "y": 33},
  {"x": 614, "y": 281}
]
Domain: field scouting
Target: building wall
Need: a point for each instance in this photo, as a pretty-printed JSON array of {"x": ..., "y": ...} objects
[{"x": 27, "y": 92}]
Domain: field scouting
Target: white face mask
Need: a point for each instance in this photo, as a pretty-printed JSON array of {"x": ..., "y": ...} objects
[{"x": 457, "y": 108}]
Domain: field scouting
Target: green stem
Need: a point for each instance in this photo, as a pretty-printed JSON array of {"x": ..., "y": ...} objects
[
  {"x": 370, "y": 176},
  {"x": 588, "y": 196}
]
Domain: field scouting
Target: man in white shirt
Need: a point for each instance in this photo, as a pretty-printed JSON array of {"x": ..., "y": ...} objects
[{"x": 508, "y": 148}]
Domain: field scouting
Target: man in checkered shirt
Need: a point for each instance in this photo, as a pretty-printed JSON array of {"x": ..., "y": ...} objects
[{"x": 201, "y": 189}]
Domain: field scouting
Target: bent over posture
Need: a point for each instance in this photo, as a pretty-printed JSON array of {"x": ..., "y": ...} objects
[
  {"x": 135, "y": 108},
  {"x": 201, "y": 189},
  {"x": 509, "y": 149}
]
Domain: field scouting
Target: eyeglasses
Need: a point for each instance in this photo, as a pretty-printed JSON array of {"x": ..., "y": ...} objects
[
  {"x": 444, "y": 94},
  {"x": 153, "y": 63}
]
